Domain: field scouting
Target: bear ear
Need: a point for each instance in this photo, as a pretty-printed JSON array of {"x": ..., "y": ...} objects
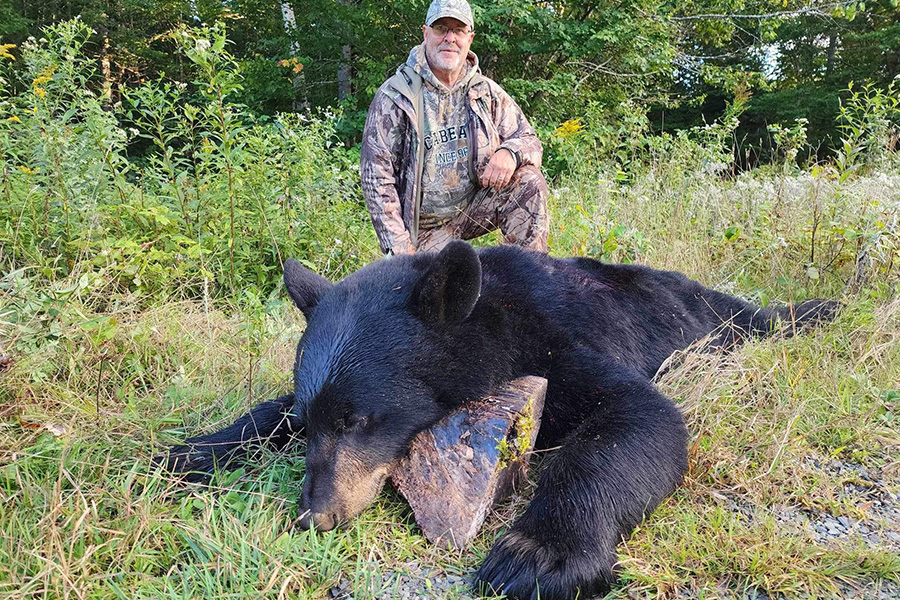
[
  {"x": 448, "y": 291},
  {"x": 304, "y": 286}
]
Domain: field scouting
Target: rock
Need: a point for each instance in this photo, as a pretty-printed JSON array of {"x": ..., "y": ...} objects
[
  {"x": 756, "y": 594},
  {"x": 457, "y": 470}
]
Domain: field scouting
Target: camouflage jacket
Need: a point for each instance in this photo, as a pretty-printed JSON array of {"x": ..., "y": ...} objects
[{"x": 391, "y": 161}]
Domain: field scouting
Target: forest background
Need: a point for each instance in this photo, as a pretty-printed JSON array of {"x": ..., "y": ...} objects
[{"x": 675, "y": 64}]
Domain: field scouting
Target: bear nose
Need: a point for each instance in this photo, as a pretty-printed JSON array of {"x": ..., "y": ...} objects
[
  {"x": 320, "y": 521},
  {"x": 315, "y": 511}
]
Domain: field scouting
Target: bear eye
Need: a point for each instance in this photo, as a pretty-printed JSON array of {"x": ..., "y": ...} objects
[
  {"x": 350, "y": 422},
  {"x": 358, "y": 422}
]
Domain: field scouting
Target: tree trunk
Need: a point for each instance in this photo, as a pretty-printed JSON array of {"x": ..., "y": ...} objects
[
  {"x": 343, "y": 75},
  {"x": 457, "y": 470},
  {"x": 298, "y": 82},
  {"x": 832, "y": 47}
]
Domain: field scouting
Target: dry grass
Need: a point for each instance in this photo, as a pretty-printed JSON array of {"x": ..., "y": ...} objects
[
  {"x": 764, "y": 419},
  {"x": 83, "y": 515}
]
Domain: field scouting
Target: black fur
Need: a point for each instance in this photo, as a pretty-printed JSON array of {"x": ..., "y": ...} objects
[
  {"x": 270, "y": 423},
  {"x": 304, "y": 286},
  {"x": 396, "y": 346}
]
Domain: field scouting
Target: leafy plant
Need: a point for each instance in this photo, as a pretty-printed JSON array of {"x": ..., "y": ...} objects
[{"x": 870, "y": 129}]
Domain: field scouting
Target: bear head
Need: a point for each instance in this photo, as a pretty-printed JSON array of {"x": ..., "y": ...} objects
[{"x": 380, "y": 361}]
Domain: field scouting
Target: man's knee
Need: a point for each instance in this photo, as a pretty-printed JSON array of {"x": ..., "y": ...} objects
[
  {"x": 531, "y": 180},
  {"x": 528, "y": 190},
  {"x": 525, "y": 221}
]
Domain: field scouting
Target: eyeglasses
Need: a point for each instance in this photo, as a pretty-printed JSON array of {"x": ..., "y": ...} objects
[{"x": 443, "y": 30}]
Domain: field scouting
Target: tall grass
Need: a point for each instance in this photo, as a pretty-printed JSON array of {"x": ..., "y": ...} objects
[{"x": 141, "y": 248}]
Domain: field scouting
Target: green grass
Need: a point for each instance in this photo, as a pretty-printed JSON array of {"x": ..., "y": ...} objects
[{"x": 84, "y": 515}]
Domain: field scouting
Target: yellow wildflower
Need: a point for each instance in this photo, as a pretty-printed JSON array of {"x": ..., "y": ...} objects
[
  {"x": 14, "y": 119},
  {"x": 4, "y": 51},
  {"x": 569, "y": 128},
  {"x": 36, "y": 84},
  {"x": 26, "y": 170}
]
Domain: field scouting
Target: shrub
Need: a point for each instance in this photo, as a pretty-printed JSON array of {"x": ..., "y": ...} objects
[{"x": 217, "y": 202}]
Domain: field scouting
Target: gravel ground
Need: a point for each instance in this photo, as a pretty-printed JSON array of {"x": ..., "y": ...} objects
[
  {"x": 863, "y": 489},
  {"x": 880, "y": 591},
  {"x": 867, "y": 492},
  {"x": 885, "y": 590},
  {"x": 411, "y": 582}
]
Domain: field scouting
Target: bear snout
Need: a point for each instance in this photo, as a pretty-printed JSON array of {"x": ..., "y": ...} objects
[
  {"x": 321, "y": 521},
  {"x": 339, "y": 488},
  {"x": 315, "y": 509}
]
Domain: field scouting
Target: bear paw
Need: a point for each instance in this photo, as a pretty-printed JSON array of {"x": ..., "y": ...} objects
[
  {"x": 524, "y": 569},
  {"x": 194, "y": 466}
]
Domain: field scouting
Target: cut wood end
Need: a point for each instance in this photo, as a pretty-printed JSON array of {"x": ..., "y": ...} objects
[{"x": 457, "y": 470}]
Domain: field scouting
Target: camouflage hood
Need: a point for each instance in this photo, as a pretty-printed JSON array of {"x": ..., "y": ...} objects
[{"x": 391, "y": 162}]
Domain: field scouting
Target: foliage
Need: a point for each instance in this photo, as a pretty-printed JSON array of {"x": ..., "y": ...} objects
[
  {"x": 559, "y": 60},
  {"x": 870, "y": 129},
  {"x": 623, "y": 139},
  {"x": 788, "y": 142},
  {"x": 800, "y": 61},
  {"x": 217, "y": 203}
]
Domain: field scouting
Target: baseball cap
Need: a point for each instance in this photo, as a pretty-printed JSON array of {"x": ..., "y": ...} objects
[{"x": 458, "y": 9}]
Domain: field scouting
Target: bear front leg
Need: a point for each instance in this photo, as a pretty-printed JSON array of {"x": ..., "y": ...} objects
[
  {"x": 612, "y": 471},
  {"x": 271, "y": 423}
]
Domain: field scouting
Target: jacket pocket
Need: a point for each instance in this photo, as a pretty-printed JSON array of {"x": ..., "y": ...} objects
[{"x": 487, "y": 138}]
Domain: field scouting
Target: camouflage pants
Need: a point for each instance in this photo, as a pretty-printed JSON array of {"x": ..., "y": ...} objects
[{"x": 519, "y": 210}]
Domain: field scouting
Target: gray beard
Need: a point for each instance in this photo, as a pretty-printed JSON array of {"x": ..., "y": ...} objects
[{"x": 436, "y": 60}]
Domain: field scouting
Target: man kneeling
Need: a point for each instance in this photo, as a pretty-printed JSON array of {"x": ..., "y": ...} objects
[{"x": 447, "y": 154}]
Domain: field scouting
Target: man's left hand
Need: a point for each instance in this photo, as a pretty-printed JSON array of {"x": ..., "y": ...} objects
[{"x": 499, "y": 170}]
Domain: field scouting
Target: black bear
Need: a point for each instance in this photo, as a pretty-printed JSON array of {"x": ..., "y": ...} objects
[{"x": 396, "y": 346}]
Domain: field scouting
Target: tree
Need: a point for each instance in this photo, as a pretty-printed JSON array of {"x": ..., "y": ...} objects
[{"x": 799, "y": 58}]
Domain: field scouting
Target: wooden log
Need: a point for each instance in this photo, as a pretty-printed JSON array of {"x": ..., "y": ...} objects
[{"x": 457, "y": 470}]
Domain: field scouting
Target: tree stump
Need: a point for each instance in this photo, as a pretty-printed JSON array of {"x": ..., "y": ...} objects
[{"x": 457, "y": 470}]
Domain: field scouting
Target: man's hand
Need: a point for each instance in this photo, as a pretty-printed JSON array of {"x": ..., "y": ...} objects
[{"x": 499, "y": 170}]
